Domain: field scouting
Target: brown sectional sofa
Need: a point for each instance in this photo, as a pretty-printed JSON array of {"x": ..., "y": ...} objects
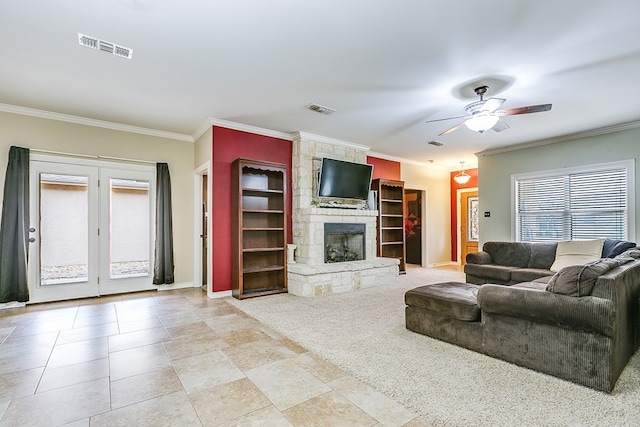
[{"x": 581, "y": 324}]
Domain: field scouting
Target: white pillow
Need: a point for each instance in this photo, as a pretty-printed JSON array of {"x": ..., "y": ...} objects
[{"x": 577, "y": 252}]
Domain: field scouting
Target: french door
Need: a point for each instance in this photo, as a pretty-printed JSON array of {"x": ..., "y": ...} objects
[{"x": 91, "y": 229}]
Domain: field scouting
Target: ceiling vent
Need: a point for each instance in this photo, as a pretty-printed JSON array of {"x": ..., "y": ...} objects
[
  {"x": 436, "y": 143},
  {"x": 105, "y": 46},
  {"x": 320, "y": 109}
]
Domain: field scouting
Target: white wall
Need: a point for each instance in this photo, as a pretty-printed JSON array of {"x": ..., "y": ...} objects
[
  {"x": 37, "y": 133},
  {"x": 494, "y": 173},
  {"x": 436, "y": 222}
]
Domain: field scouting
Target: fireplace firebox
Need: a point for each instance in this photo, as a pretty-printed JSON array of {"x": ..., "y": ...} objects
[{"x": 344, "y": 242}]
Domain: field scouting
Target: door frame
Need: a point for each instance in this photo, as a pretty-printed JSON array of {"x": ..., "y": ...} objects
[
  {"x": 100, "y": 165},
  {"x": 424, "y": 230},
  {"x": 63, "y": 291},
  {"x": 459, "y": 193},
  {"x": 199, "y": 172}
]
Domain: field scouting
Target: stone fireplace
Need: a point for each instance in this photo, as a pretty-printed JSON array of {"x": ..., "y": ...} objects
[{"x": 310, "y": 275}]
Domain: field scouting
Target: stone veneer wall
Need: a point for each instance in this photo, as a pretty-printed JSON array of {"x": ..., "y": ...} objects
[{"x": 309, "y": 275}]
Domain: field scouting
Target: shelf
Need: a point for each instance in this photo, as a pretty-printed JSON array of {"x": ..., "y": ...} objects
[
  {"x": 390, "y": 227},
  {"x": 262, "y": 249},
  {"x": 264, "y": 211},
  {"x": 259, "y": 228},
  {"x": 261, "y": 269},
  {"x": 261, "y": 191},
  {"x": 263, "y": 229},
  {"x": 260, "y": 292}
]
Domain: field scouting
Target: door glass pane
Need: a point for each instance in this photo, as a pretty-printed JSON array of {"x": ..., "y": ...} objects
[
  {"x": 129, "y": 236},
  {"x": 64, "y": 233},
  {"x": 473, "y": 219}
]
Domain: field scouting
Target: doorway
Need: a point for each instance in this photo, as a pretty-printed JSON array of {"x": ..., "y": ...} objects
[
  {"x": 469, "y": 220},
  {"x": 203, "y": 230},
  {"x": 91, "y": 228},
  {"x": 413, "y": 226}
]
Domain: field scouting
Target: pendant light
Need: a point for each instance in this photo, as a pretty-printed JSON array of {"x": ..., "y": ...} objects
[{"x": 462, "y": 177}]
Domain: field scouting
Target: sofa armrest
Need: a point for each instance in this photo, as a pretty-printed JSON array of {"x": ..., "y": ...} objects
[
  {"x": 478, "y": 258},
  {"x": 589, "y": 314}
]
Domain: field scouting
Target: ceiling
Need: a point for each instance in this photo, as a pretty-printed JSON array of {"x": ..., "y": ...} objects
[{"x": 385, "y": 66}]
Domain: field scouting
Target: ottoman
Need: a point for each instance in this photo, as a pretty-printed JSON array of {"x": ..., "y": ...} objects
[{"x": 447, "y": 311}]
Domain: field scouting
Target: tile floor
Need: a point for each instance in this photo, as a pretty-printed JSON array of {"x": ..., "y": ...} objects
[{"x": 171, "y": 358}]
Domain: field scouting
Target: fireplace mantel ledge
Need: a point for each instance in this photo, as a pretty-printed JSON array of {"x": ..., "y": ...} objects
[
  {"x": 338, "y": 212},
  {"x": 337, "y": 267}
]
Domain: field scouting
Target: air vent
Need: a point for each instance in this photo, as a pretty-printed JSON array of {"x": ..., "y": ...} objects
[
  {"x": 320, "y": 109},
  {"x": 105, "y": 46},
  {"x": 436, "y": 143}
]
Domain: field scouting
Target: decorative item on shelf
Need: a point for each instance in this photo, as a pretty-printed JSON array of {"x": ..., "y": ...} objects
[
  {"x": 462, "y": 177},
  {"x": 290, "y": 253}
]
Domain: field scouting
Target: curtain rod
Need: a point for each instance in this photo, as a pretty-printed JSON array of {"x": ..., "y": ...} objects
[{"x": 89, "y": 156}]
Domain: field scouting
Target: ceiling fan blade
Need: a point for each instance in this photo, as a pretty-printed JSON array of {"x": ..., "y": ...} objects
[
  {"x": 524, "y": 110},
  {"x": 500, "y": 126},
  {"x": 448, "y": 118},
  {"x": 492, "y": 104},
  {"x": 448, "y": 131}
]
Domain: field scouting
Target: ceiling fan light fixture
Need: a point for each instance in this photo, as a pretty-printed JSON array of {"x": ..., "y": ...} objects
[
  {"x": 481, "y": 122},
  {"x": 462, "y": 177}
]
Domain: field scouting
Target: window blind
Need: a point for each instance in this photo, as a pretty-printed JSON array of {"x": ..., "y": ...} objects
[{"x": 573, "y": 206}]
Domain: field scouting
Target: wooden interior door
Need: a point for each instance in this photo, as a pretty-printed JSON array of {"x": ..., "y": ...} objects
[{"x": 469, "y": 216}]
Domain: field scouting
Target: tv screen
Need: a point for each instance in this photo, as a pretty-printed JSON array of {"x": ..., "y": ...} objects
[{"x": 346, "y": 180}]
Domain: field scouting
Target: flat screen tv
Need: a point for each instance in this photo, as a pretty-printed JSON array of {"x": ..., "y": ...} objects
[{"x": 345, "y": 180}]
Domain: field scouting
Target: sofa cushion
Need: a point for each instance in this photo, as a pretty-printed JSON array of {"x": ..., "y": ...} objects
[
  {"x": 451, "y": 299},
  {"x": 613, "y": 248},
  {"x": 578, "y": 280},
  {"x": 514, "y": 254},
  {"x": 490, "y": 272},
  {"x": 542, "y": 255},
  {"x": 576, "y": 252},
  {"x": 529, "y": 274}
]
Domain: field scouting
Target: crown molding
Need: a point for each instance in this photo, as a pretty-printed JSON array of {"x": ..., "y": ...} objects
[
  {"x": 242, "y": 127},
  {"x": 562, "y": 138},
  {"x": 397, "y": 159},
  {"x": 25, "y": 111},
  {"x": 326, "y": 139}
]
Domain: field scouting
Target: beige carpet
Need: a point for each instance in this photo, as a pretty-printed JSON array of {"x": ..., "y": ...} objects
[{"x": 363, "y": 332}]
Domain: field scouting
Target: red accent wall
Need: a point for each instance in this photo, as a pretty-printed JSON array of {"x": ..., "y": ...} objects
[
  {"x": 384, "y": 168},
  {"x": 454, "y": 186},
  {"x": 228, "y": 145}
]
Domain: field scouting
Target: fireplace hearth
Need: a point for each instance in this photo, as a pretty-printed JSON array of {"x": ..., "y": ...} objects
[{"x": 344, "y": 242}]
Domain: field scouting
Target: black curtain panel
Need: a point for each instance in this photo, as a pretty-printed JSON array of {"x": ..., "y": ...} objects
[
  {"x": 163, "y": 260},
  {"x": 14, "y": 228}
]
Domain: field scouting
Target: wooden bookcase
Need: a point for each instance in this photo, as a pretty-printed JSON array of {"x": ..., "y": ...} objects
[
  {"x": 259, "y": 228},
  {"x": 390, "y": 230}
]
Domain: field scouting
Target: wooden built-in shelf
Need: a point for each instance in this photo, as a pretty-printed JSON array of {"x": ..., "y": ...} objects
[
  {"x": 259, "y": 228},
  {"x": 390, "y": 229}
]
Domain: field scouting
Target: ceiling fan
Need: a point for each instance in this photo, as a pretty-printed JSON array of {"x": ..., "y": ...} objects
[{"x": 483, "y": 115}]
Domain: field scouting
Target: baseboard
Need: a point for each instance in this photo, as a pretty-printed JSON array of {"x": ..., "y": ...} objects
[
  {"x": 444, "y": 264},
  {"x": 175, "y": 286},
  {"x": 220, "y": 294},
  {"x": 12, "y": 304}
]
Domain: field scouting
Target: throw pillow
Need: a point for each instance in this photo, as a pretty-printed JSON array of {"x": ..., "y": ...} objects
[
  {"x": 578, "y": 280},
  {"x": 613, "y": 248},
  {"x": 576, "y": 252}
]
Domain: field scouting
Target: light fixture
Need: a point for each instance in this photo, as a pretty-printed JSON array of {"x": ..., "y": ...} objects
[
  {"x": 462, "y": 177},
  {"x": 481, "y": 122}
]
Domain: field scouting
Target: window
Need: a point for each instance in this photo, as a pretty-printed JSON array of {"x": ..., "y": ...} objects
[{"x": 573, "y": 204}]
